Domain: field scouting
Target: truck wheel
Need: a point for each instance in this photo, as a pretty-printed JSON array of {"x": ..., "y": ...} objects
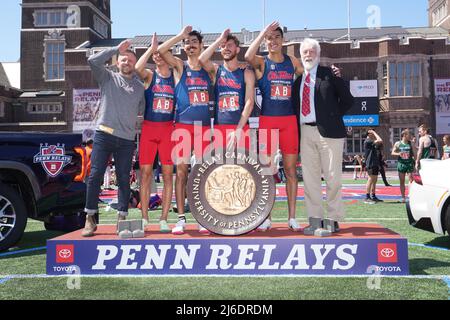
[
  {"x": 13, "y": 217},
  {"x": 447, "y": 220}
]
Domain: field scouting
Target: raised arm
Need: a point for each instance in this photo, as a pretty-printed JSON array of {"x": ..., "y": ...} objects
[
  {"x": 257, "y": 62},
  {"x": 142, "y": 71},
  {"x": 378, "y": 139},
  {"x": 249, "y": 77},
  {"x": 97, "y": 61},
  {"x": 165, "y": 50},
  {"x": 205, "y": 57}
]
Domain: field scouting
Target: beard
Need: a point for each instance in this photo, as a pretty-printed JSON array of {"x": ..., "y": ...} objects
[
  {"x": 126, "y": 70},
  {"x": 310, "y": 64},
  {"x": 230, "y": 57}
]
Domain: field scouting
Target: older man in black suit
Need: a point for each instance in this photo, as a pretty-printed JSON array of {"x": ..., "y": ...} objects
[{"x": 321, "y": 99}]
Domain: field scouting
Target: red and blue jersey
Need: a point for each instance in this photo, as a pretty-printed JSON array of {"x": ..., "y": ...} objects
[
  {"x": 230, "y": 95},
  {"x": 160, "y": 99},
  {"x": 276, "y": 88},
  {"x": 192, "y": 97}
]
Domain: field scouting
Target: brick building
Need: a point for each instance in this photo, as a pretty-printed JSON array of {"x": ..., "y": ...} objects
[{"x": 404, "y": 61}]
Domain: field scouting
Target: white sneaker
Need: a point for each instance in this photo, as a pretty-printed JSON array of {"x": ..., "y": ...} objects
[
  {"x": 294, "y": 226},
  {"x": 265, "y": 226},
  {"x": 203, "y": 230},
  {"x": 145, "y": 222},
  {"x": 179, "y": 228}
]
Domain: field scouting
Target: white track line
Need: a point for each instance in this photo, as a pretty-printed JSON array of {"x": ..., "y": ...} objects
[{"x": 44, "y": 276}]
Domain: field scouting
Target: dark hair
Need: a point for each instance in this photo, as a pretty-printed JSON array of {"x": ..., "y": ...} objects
[
  {"x": 196, "y": 34},
  {"x": 280, "y": 30},
  {"x": 405, "y": 132},
  {"x": 234, "y": 38}
]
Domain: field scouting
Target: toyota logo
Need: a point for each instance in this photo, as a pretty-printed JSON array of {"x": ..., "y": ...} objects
[
  {"x": 387, "y": 252},
  {"x": 65, "y": 253}
]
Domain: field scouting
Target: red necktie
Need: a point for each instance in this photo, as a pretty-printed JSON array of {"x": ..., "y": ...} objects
[{"x": 306, "y": 103}]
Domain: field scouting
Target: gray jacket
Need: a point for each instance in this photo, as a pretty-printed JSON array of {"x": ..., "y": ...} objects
[{"x": 122, "y": 98}]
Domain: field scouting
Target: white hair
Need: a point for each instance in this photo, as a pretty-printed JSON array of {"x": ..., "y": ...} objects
[{"x": 308, "y": 43}]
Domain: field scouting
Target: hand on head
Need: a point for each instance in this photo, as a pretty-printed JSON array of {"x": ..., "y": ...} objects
[
  {"x": 224, "y": 36},
  {"x": 186, "y": 31},
  {"x": 271, "y": 27},
  {"x": 124, "y": 45}
]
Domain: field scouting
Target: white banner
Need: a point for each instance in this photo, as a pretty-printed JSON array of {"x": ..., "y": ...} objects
[
  {"x": 364, "y": 88},
  {"x": 442, "y": 105},
  {"x": 86, "y": 104}
]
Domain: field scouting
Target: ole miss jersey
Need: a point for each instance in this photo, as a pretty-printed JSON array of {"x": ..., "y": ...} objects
[
  {"x": 159, "y": 99},
  {"x": 276, "y": 88},
  {"x": 230, "y": 95},
  {"x": 192, "y": 97}
]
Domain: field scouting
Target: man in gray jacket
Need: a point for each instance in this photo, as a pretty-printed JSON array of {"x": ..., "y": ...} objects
[{"x": 121, "y": 103}]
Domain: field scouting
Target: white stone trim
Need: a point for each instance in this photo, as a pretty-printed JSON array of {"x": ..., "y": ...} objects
[{"x": 43, "y": 5}]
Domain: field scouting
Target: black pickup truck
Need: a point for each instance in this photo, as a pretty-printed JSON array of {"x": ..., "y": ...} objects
[{"x": 41, "y": 177}]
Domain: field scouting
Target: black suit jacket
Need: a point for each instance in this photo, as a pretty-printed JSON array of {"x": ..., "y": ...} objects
[{"x": 332, "y": 100}]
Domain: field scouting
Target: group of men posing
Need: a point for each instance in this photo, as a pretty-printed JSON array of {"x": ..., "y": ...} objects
[{"x": 174, "y": 98}]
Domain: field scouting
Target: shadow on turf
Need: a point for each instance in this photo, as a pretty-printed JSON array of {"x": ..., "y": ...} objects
[
  {"x": 30, "y": 240},
  {"x": 420, "y": 265},
  {"x": 443, "y": 242}
]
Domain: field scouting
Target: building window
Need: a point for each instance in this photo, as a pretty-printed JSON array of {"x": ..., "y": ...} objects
[
  {"x": 355, "y": 142},
  {"x": 54, "y": 60},
  {"x": 50, "y": 18},
  {"x": 385, "y": 79},
  {"x": 2, "y": 109},
  {"x": 440, "y": 13},
  {"x": 404, "y": 79},
  {"x": 100, "y": 26},
  {"x": 44, "y": 108}
]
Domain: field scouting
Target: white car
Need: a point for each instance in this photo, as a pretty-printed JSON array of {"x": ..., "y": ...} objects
[{"x": 429, "y": 197}]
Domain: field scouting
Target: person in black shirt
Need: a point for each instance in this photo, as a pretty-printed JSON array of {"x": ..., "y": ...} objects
[
  {"x": 371, "y": 145},
  {"x": 382, "y": 164}
]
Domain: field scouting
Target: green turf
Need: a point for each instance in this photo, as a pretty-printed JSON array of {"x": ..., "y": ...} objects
[
  {"x": 185, "y": 288},
  {"x": 423, "y": 261}
]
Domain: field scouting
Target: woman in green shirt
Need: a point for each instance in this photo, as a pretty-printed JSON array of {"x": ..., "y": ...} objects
[{"x": 403, "y": 149}]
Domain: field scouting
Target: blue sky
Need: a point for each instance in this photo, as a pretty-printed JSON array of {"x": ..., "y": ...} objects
[{"x": 143, "y": 17}]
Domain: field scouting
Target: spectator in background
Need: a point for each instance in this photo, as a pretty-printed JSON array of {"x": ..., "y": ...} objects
[
  {"x": 88, "y": 148},
  {"x": 404, "y": 150},
  {"x": 372, "y": 164},
  {"x": 108, "y": 174},
  {"x": 157, "y": 169},
  {"x": 427, "y": 146},
  {"x": 279, "y": 162},
  {"x": 446, "y": 147},
  {"x": 383, "y": 164},
  {"x": 358, "y": 163}
]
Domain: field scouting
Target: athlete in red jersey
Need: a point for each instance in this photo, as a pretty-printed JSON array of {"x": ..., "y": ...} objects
[
  {"x": 285, "y": 123},
  {"x": 156, "y": 130},
  {"x": 230, "y": 125},
  {"x": 191, "y": 97}
]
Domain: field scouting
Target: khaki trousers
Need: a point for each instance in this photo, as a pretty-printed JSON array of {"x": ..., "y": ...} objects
[{"x": 322, "y": 156}]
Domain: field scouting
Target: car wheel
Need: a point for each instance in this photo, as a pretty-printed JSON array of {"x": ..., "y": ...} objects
[{"x": 13, "y": 217}]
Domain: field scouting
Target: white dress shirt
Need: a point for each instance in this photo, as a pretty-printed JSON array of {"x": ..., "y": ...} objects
[{"x": 312, "y": 116}]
